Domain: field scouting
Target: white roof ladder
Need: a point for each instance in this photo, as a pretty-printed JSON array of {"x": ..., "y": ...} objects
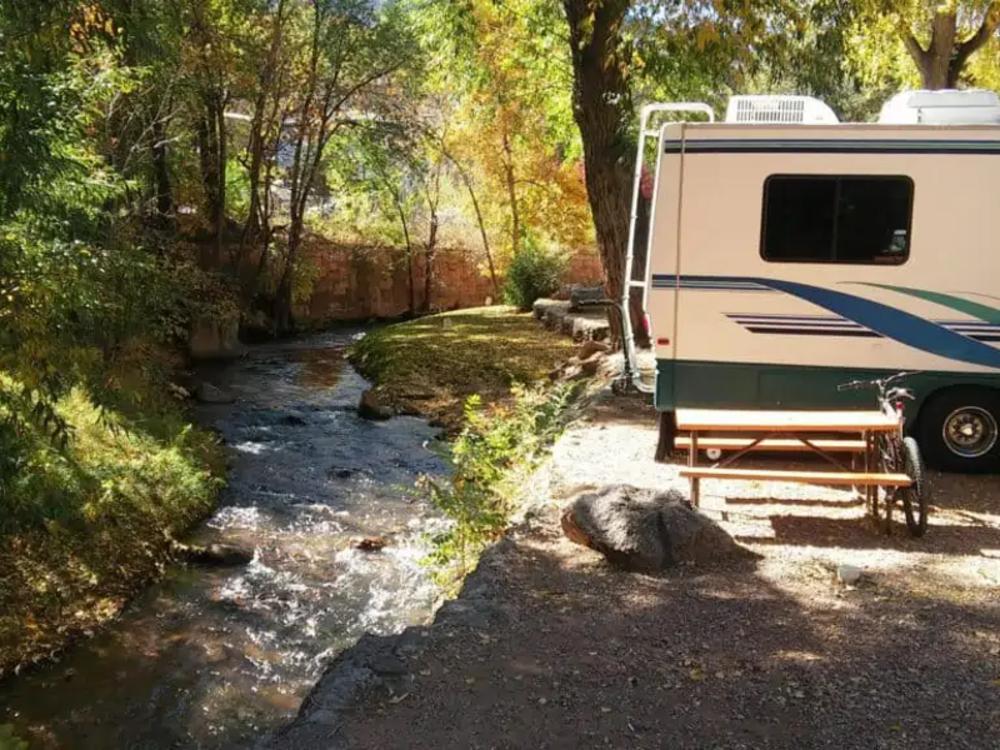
[{"x": 631, "y": 371}]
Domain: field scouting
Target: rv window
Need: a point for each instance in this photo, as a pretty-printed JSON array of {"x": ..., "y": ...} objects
[{"x": 836, "y": 219}]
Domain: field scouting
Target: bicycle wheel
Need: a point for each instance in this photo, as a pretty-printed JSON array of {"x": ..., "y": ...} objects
[{"x": 914, "y": 497}]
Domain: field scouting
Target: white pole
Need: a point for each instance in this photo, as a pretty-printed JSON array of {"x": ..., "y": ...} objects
[{"x": 631, "y": 370}]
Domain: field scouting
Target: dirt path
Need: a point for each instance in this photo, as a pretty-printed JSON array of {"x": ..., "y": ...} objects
[{"x": 550, "y": 648}]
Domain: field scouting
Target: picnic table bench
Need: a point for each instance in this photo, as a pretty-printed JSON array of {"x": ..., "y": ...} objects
[{"x": 744, "y": 431}]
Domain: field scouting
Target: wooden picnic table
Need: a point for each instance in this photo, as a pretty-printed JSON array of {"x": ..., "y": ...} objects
[{"x": 783, "y": 431}]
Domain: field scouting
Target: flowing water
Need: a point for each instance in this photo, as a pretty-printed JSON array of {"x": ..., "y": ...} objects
[{"x": 213, "y": 658}]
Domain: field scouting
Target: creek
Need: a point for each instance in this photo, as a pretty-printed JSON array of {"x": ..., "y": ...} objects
[{"x": 216, "y": 657}]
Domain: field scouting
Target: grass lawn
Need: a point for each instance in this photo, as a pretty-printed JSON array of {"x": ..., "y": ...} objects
[{"x": 430, "y": 365}]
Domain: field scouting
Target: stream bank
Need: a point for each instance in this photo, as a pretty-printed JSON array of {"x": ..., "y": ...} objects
[
  {"x": 429, "y": 366},
  {"x": 549, "y": 646},
  {"x": 213, "y": 657},
  {"x": 85, "y": 525}
]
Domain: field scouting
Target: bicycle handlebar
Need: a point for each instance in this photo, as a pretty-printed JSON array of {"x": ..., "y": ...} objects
[
  {"x": 854, "y": 385},
  {"x": 879, "y": 384}
]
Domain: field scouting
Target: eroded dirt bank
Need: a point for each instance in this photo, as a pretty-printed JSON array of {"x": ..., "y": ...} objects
[{"x": 549, "y": 647}]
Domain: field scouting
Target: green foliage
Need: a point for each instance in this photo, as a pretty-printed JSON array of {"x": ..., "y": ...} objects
[
  {"x": 533, "y": 273},
  {"x": 237, "y": 190},
  {"x": 84, "y": 524},
  {"x": 496, "y": 450},
  {"x": 110, "y": 466},
  {"x": 9, "y": 739},
  {"x": 78, "y": 283}
]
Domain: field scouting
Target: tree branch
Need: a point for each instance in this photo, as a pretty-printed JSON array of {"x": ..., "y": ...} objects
[
  {"x": 991, "y": 21},
  {"x": 918, "y": 53}
]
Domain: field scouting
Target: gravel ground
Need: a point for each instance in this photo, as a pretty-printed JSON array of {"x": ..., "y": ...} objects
[{"x": 549, "y": 647}]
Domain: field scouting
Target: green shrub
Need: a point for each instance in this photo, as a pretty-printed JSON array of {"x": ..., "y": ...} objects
[
  {"x": 534, "y": 272},
  {"x": 490, "y": 460}
]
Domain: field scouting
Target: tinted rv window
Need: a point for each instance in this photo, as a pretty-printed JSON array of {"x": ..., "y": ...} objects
[{"x": 837, "y": 219}]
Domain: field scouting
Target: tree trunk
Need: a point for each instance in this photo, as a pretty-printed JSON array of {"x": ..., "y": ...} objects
[
  {"x": 482, "y": 227},
  {"x": 208, "y": 161},
  {"x": 430, "y": 251},
  {"x": 602, "y": 108},
  {"x": 161, "y": 173},
  {"x": 486, "y": 242},
  {"x": 515, "y": 215},
  {"x": 223, "y": 156},
  {"x": 283, "y": 319},
  {"x": 409, "y": 251},
  {"x": 265, "y": 122},
  {"x": 942, "y": 62}
]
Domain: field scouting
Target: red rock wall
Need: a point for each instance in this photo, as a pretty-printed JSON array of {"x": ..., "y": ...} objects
[
  {"x": 584, "y": 267},
  {"x": 354, "y": 283}
]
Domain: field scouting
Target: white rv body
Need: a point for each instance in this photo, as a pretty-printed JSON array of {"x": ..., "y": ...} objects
[{"x": 733, "y": 326}]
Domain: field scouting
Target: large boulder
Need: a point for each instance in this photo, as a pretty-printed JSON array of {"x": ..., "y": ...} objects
[
  {"x": 644, "y": 530},
  {"x": 371, "y": 407}
]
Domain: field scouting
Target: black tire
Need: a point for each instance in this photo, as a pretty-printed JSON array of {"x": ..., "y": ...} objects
[
  {"x": 668, "y": 431},
  {"x": 942, "y": 421},
  {"x": 914, "y": 497}
]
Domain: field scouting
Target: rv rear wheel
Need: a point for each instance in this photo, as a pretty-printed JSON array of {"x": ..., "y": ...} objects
[
  {"x": 668, "y": 431},
  {"x": 960, "y": 430}
]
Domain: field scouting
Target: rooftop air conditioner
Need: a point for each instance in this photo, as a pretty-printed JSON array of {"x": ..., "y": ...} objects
[
  {"x": 779, "y": 110},
  {"x": 946, "y": 107}
]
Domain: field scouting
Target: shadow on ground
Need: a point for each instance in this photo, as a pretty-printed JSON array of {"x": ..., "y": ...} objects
[
  {"x": 576, "y": 654},
  {"x": 550, "y": 647}
]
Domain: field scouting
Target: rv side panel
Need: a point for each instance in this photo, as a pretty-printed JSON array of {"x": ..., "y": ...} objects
[{"x": 750, "y": 330}]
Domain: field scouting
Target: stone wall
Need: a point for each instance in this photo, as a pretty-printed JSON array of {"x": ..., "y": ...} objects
[{"x": 356, "y": 283}]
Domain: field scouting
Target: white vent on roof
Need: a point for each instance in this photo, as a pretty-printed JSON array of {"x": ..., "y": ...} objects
[
  {"x": 780, "y": 110},
  {"x": 947, "y": 107}
]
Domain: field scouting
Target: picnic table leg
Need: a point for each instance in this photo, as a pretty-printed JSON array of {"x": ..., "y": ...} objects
[
  {"x": 692, "y": 462},
  {"x": 868, "y": 467}
]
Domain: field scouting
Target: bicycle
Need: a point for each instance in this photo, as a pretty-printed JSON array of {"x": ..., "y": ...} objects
[{"x": 896, "y": 453}]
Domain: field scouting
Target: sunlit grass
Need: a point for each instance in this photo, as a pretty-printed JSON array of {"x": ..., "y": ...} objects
[
  {"x": 431, "y": 364},
  {"x": 82, "y": 526}
]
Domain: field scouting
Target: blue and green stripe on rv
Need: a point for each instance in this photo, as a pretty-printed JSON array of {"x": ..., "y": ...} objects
[
  {"x": 884, "y": 320},
  {"x": 975, "y": 309}
]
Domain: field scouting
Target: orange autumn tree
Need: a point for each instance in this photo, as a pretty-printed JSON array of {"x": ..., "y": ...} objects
[{"x": 512, "y": 130}]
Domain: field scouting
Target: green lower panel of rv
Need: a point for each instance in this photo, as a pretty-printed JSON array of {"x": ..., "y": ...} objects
[{"x": 737, "y": 385}]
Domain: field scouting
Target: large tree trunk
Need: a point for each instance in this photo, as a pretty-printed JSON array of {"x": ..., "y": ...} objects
[
  {"x": 602, "y": 107},
  {"x": 942, "y": 62}
]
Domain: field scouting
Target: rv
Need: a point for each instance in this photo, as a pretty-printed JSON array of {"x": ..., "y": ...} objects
[{"x": 787, "y": 253}]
